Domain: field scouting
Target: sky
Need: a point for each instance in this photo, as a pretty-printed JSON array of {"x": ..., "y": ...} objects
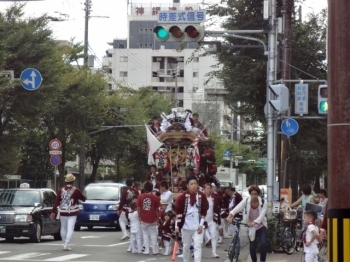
[{"x": 104, "y": 30}]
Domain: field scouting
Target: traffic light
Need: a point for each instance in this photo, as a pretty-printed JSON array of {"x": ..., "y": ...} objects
[
  {"x": 322, "y": 99},
  {"x": 281, "y": 103},
  {"x": 177, "y": 33}
]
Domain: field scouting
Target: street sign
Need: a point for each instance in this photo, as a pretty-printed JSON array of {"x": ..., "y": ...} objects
[
  {"x": 9, "y": 74},
  {"x": 55, "y": 144},
  {"x": 31, "y": 79},
  {"x": 55, "y": 160},
  {"x": 301, "y": 106},
  {"x": 13, "y": 176},
  {"x": 227, "y": 155},
  {"x": 55, "y": 152},
  {"x": 289, "y": 127},
  {"x": 182, "y": 17}
]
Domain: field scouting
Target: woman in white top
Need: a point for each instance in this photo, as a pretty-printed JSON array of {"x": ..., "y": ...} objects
[
  {"x": 254, "y": 214},
  {"x": 322, "y": 200}
]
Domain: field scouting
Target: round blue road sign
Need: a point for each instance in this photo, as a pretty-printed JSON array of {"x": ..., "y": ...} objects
[
  {"x": 289, "y": 127},
  {"x": 31, "y": 79},
  {"x": 55, "y": 160}
]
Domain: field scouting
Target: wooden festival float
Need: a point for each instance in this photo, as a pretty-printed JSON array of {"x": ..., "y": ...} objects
[{"x": 185, "y": 151}]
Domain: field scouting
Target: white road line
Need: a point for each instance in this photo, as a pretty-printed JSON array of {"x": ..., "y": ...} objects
[
  {"x": 66, "y": 257},
  {"x": 25, "y": 256},
  {"x": 4, "y": 252}
]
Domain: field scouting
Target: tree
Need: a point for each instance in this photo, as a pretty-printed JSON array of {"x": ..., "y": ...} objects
[
  {"x": 125, "y": 146},
  {"x": 244, "y": 69}
]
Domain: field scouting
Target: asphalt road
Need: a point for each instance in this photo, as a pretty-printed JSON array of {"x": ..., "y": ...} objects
[{"x": 97, "y": 245}]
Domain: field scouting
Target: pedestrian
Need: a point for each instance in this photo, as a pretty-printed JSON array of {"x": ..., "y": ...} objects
[
  {"x": 166, "y": 195},
  {"x": 165, "y": 228},
  {"x": 191, "y": 209},
  {"x": 66, "y": 208},
  {"x": 126, "y": 198},
  {"x": 148, "y": 209},
  {"x": 212, "y": 219},
  {"x": 254, "y": 214},
  {"x": 310, "y": 236},
  {"x": 135, "y": 230}
]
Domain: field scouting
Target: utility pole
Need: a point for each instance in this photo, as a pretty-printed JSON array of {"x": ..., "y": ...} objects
[
  {"x": 87, "y": 9},
  {"x": 338, "y": 131},
  {"x": 288, "y": 6},
  {"x": 271, "y": 78}
]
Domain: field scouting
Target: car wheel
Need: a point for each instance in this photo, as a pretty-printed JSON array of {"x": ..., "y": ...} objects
[
  {"x": 90, "y": 227},
  {"x": 117, "y": 228},
  {"x": 76, "y": 228},
  {"x": 57, "y": 236},
  {"x": 9, "y": 239},
  {"x": 36, "y": 238}
]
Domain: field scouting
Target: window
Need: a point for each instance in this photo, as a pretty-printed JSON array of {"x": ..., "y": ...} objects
[
  {"x": 146, "y": 31},
  {"x": 123, "y": 59},
  {"x": 150, "y": 46},
  {"x": 49, "y": 198},
  {"x": 150, "y": 31},
  {"x": 140, "y": 45},
  {"x": 195, "y": 74},
  {"x": 146, "y": 46},
  {"x": 141, "y": 30},
  {"x": 195, "y": 59},
  {"x": 123, "y": 74}
]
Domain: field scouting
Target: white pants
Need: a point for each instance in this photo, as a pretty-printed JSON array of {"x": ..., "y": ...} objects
[
  {"x": 224, "y": 226},
  {"x": 135, "y": 242},
  {"x": 311, "y": 257},
  {"x": 187, "y": 237},
  {"x": 67, "y": 228},
  {"x": 212, "y": 233},
  {"x": 123, "y": 221},
  {"x": 150, "y": 232}
]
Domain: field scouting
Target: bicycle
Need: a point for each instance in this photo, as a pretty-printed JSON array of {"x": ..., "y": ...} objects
[
  {"x": 235, "y": 245},
  {"x": 290, "y": 232}
]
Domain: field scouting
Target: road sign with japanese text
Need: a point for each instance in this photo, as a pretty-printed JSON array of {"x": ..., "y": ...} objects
[
  {"x": 301, "y": 99},
  {"x": 182, "y": 17}
]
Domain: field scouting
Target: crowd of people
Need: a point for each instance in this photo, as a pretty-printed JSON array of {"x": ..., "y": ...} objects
[{"x": 200, "y": 215}]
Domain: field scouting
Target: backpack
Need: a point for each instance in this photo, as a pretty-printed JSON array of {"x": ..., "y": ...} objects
[{"x": 66, "y": 201}]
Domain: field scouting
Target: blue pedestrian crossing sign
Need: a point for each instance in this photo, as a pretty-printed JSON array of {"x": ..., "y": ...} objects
[
  {"x": 227, "y": 153},
  {"x": 289, "y": 127},
  {"x": 31, "y": 79}
]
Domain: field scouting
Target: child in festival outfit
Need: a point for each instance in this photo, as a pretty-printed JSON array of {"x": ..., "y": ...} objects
[
  {"x": 166, "y": 232},
  {"x": 310, "y": 236},
  {"x": 135, "y": 232}
]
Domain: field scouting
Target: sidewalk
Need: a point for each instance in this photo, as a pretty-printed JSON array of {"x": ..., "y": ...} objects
[{"x": 271, "y": 257}]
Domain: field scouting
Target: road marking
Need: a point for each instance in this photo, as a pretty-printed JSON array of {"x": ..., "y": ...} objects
[
  {"x": 92, "y": 236},
  {"x": 25, "y": 256},
  {"x": 4, "y": 252},
  {"x": 112, "y": 245},
  {"x": 66, "y": 257}
]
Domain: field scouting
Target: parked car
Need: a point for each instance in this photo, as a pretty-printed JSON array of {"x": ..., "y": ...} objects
[
  {"x": 25, "y": 212},
  {"x": 100, "y": 207}
]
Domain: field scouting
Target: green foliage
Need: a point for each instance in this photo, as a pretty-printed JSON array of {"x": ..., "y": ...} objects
[{"x": 244, "y": 75}]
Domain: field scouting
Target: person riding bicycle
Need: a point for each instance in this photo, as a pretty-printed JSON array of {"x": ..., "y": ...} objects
[{"x": 254, "y": 213}]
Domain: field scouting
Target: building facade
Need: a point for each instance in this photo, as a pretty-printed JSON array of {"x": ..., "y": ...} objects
[{"x": 174, "y": 69}]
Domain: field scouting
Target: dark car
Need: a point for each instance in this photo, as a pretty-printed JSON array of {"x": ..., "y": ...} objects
[
  {"x": 25, "y": 212},
  {"x": 100, "y": 206}
]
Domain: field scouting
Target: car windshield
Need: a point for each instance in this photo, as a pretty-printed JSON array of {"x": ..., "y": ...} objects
[
  {"x": 102, "y": 193},
  {"x": 19, "y": 197}
]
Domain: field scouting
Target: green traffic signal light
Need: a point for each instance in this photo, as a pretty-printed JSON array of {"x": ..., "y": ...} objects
[
  {"x": 324, "y": 106},
  {"x": 161, "y": 33}
]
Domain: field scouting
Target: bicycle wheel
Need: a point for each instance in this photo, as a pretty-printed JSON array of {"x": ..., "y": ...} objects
[
  {"x": 232, "y": 249},
  {"x": 237, "y": 248},
  {"x": 288, "y": 240}
]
